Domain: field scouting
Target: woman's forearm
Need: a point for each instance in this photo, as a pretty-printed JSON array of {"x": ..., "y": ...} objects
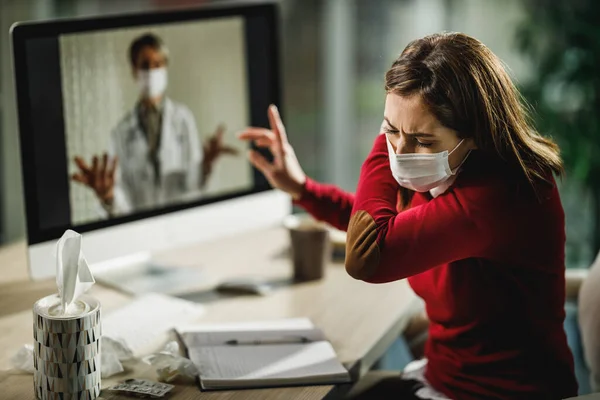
[{"x": 327, "y": 203}]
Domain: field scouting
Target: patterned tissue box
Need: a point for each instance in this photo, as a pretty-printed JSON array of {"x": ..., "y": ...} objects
[{"x": 67, "y": 350}]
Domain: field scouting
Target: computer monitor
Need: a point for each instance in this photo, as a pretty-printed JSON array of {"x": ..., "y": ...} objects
[{"x": 127, "y": 129}]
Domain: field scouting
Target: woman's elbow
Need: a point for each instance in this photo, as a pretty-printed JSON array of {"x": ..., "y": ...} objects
[
  {"x": 362, "y": 249},
  {"x": 374, "y": 271},
  {"x": 361, "y": 272}
]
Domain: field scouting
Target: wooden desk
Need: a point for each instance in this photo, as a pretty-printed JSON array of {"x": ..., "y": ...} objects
[{"x": 341, "y": 306}]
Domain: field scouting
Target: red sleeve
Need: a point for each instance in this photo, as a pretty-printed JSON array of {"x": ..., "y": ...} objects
[
  {"x": 384, "y": 245},
  {"x": 327, "y": 203}
]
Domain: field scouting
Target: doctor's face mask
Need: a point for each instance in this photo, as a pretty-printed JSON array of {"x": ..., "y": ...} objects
[
  {"x": 153, "y": 82},
  {"x": 151, "y": 72}
]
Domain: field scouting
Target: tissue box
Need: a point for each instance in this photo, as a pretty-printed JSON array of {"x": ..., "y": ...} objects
[{"x": 67, "y": 349}]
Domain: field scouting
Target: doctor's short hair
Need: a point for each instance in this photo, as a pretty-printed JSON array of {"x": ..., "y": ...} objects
[{"x": 147, "y": 39}]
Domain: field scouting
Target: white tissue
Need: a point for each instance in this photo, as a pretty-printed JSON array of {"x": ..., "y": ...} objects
[
  {"x": 110, "y": 364},
  {"x": 113, "y": 352},
  {"x": 22, "y": 360},
  {"x": 73, "y": 275},
  {"x": 170, "y": 365},
  {"x": 118, "y": 347}
]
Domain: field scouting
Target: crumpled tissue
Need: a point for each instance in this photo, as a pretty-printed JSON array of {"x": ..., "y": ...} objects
[
  {"x": 113, "y": 352},
  {"x": 170, "y": 365},
  {"x": 22, "y": 360}
]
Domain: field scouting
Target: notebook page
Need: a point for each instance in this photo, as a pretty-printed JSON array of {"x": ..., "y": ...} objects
[
  {"x": 198, "y": 339},
  {"x": 144, "y": 323},
  {"x": 266, "y": 365},
  {"x": 259, "y": 325}
]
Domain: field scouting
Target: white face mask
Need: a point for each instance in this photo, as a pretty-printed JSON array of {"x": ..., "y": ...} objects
[
  {"x": 152, "y": 82},
  {"x": 420, "y": 172}
]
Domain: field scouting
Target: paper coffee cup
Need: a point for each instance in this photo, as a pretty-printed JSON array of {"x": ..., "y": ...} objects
[
  {"x": 67, "y": 349},
  {"x": 310, "y": 247}
]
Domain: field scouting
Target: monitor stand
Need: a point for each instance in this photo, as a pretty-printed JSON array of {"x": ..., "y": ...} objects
[{"x": 139, "y": 274}]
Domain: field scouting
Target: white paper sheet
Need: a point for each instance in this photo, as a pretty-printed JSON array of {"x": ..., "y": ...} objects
[{"x": 144, "y": 323}]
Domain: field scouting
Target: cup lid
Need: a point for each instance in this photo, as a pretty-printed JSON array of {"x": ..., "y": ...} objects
[{"x": 303, "y": 222}]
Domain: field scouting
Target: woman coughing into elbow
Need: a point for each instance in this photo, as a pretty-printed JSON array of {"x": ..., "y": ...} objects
[{"x": 457, "y": 195}]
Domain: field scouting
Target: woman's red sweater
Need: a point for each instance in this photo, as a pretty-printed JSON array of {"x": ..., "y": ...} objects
[{"x": 487, "y": 257}]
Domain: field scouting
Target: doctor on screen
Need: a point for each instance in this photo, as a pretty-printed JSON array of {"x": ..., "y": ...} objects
[{"x": 155, "y": 157}]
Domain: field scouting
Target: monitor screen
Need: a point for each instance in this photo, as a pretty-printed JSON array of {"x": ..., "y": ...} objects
[{"x": 128, "y": 117}]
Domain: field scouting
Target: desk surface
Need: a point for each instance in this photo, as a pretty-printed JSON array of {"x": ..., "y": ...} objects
[{"x": 341, "y": 306}]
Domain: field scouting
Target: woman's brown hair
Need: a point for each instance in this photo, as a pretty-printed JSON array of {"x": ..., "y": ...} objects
[{"x": 468, "y": 89}]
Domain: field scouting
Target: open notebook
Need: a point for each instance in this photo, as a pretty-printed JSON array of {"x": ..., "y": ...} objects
[{"x": 266, "y": 354}]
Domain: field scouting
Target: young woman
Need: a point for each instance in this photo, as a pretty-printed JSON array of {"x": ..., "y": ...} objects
[{"x": 458, "y": 196}]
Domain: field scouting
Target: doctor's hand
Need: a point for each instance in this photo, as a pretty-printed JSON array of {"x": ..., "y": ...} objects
[
  {"x": 212, "y": 149},
  {"x": 285, "y": 172},
  {"x": 100, "y": 176}
]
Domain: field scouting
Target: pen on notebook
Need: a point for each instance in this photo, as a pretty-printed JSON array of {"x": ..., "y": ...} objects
[{"x": 287, "y": 340}]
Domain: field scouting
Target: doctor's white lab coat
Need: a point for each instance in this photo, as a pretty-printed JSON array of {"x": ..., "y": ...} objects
[{"x": 180, "y": 156}]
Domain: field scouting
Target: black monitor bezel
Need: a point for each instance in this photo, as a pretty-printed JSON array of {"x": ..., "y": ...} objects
[{"x": 23, "y": 31}]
